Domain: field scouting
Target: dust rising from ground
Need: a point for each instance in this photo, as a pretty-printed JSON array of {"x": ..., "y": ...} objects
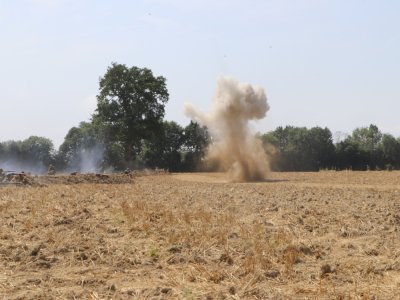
[{"x": 234, "y": 147}]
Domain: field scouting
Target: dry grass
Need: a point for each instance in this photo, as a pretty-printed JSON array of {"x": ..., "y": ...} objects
[{"x": 327, "y": 235}]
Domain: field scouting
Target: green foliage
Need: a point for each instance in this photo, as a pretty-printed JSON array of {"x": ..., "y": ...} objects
[
  {"x": 368, "y": 149},
  {"x": 368, "y": 138},
  {"x": 114, "y": 156},
  {"x": 12, "y": 150},
  {"x": 390, "y": 149},
  {"x": 175, "y": 148},
  {"x": 299, "y": 148},
  {"x": 349, "y": 155},
  {"x": 128, "y": 124},
  {"x": 302, "y": 149},
  {"x": 38, "y": 149},
  {"x": 78, "y": 139},
  {"x": 196, "y": 140},
  {"x": 33, "y": 154},
  {"x": 164, "y": 150},
  {"x": 130, "y": 106},
  {"x": 367, "y": 141}
]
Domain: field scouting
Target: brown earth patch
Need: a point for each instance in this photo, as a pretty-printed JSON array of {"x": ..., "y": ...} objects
[{"x": 326, "y": 235}]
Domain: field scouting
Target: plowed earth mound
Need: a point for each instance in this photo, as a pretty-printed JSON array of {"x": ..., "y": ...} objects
[
  {"x": 25, "y": 179},
  {"x": 326, "y": 235},
  {"x": 18, "y": 179},
  {"x": 87, "y": 178}
]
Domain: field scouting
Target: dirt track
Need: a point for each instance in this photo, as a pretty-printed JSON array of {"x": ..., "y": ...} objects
[{"x": 327, "y": 235}]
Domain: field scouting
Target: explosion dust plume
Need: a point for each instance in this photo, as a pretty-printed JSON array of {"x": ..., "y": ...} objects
[{"x": 233, "y": 145}]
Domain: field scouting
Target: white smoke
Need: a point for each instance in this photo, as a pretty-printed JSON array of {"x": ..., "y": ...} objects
[
  {"x": 234, "y": 146},
  {"x": 86, "y": 159},
  {"x": 91, "y": 159},
  {"x": 14, "y": 165}
]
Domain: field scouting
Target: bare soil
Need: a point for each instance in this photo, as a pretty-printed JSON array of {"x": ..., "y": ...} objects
[{"x": 326, "y": 235}]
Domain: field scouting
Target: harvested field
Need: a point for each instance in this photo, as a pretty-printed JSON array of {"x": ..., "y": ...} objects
[{"x": 326, "y": 235}]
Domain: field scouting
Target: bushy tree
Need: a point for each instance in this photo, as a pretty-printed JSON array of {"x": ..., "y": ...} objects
[
  {"x": 164, "y": 150},
  {"x": 368, "y": 140},
  {"x": 13, "y": 150},
  {"x": 390, "y": 149},
  {"x": 350, "y": 156},
  {"x": 130, "y": 106},
  {"x": 300, "y": 149},
  {"x": 364, "y": 149},
  {"x": 321, "y": 147},
  {"x": 38, "y": 149}
]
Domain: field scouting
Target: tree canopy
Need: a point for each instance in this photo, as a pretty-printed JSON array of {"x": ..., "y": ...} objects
[
  {"x": 299, "y": 148},
  {"x": 130, "y": 106}
]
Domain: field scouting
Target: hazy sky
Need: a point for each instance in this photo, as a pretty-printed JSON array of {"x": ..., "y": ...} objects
[{"x": 326, "y": 63}]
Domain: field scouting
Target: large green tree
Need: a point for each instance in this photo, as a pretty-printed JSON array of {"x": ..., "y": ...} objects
[{"x": 130, "y": 106}]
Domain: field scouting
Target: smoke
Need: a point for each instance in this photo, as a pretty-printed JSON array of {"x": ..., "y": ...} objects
[
  {"x": 86, "y": 159},
  {"x": 234, "y": 146},
  {"x": 13, "y": 164},
  {"x": 90, "y": 159}
]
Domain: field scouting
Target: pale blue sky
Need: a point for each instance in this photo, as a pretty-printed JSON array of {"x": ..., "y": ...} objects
[{"x": 326, "y": 63}]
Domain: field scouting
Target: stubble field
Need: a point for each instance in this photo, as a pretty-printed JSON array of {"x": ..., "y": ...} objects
[{"x": 326, "y": 235}]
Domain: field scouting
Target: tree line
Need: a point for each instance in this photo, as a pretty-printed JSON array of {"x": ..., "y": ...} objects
[
  {"x": 128, "y": 130},
  {"x": 301, "y": 149}
]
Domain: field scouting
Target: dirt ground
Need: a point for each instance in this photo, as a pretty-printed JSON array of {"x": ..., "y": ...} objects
[{"x": 326, "y": 235}]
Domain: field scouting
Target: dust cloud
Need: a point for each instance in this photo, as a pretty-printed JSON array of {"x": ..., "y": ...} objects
[{"x": 234, "y": 146}]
